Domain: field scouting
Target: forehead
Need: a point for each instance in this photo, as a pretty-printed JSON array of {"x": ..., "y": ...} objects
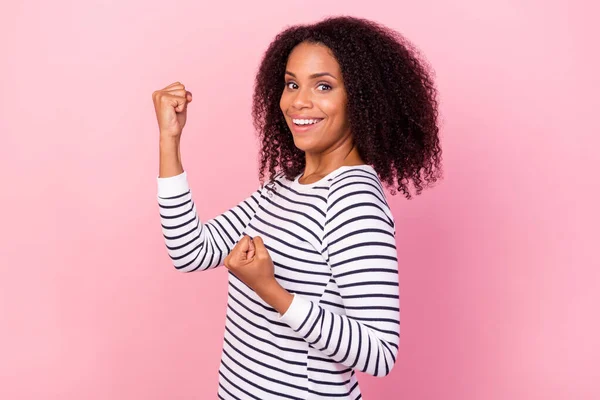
[{"x": 307, "y": 58}]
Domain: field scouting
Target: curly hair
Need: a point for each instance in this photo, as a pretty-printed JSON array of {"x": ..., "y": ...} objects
[{"x": 391, "y": 108}]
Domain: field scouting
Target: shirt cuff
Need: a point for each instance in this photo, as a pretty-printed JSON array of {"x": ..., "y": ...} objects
[
  {"x": 172, "y": 185},
  {"x": 297, "y": 313}
]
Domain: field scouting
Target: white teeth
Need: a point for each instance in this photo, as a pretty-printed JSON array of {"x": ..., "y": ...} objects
[{"x": 305, "y": 121}]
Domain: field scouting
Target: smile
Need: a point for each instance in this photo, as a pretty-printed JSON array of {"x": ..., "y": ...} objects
[{"x": 305, "y": 125}]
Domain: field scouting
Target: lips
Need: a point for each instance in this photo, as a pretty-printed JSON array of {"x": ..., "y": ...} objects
[
  {"x": 307, "y": 127},
  {"x": 298, "y": 116}
]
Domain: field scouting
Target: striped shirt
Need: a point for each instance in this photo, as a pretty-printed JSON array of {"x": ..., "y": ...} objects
[{"x": 333, "y": 247}]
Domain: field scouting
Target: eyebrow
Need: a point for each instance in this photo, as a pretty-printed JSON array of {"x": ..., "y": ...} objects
[{"x": 318, "y": 74}]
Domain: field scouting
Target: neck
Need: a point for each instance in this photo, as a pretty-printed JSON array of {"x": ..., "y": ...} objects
[{"x": 344, "y": 153}]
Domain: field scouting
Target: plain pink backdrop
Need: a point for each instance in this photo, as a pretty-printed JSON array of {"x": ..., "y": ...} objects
[{"x": 499, "y": 262}]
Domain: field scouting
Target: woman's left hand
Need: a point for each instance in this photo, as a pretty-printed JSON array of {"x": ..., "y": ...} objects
[{"x": 250, "y": 261}]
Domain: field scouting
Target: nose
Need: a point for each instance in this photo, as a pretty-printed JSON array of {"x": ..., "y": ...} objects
[{"x": 302, "y": 98}]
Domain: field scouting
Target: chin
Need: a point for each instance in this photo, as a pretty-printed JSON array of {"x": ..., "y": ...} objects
[
  {"x": 301, "y": 144},
  {"x": 306, "y": 146}
]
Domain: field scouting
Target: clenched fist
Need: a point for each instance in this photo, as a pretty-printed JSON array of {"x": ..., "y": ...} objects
[
  {"x": 250, "y": 262},
  {"x": 170, "y": 105}
]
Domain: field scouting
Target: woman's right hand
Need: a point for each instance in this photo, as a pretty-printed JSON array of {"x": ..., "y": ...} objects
[{"x": 170, "y": 105}]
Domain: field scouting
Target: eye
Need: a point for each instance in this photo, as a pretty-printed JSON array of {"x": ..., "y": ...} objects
[{"x": 328, "y": 87}]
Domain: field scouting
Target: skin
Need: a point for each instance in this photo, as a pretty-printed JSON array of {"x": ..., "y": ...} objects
[
  {"x": 329, "y": 145},
  {"x": 250, "y": 262},
  {"x": 326, "y": 148}
]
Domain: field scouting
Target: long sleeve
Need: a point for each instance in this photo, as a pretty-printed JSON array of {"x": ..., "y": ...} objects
[
  {"x": 193, "y": 244},
  {"x": 359, "y": 241}
]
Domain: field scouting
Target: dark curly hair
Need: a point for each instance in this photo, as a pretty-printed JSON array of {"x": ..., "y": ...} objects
[{"x": 391, "y": 108}]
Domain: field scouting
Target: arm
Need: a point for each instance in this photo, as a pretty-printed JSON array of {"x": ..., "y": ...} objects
[
  {"x": 360, "y": 242},
  {"x": 193, "y": 244}
]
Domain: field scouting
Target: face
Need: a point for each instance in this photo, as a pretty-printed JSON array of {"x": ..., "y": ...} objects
[{"x": 314, "y": 99}]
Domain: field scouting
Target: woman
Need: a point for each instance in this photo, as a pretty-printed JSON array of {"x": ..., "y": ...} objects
[{"x": 340, "y": 106}]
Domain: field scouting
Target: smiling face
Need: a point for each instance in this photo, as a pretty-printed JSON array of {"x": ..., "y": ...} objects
[{"x": 314, "y": 92}]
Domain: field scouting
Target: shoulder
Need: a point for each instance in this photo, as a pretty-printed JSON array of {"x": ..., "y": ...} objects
[
  {"x": 273, "y": 181},
  {"x": 360, "y": 181},
  {"x": 355, "y": 192}
]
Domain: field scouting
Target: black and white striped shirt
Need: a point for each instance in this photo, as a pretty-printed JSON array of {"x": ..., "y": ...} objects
[{"x": 333, "y": 246}]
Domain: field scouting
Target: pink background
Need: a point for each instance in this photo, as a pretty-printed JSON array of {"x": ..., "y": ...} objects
[{"x": 499, "y": 263}]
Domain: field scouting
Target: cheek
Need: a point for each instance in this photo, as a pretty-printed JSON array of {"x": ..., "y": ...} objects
[
  {"x": 281, "y": 104},
  {"x": 284, "y": 101},
  {"x": 333, "y": 109}
]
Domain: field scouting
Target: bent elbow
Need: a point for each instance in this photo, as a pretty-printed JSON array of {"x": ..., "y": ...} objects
[{"x": 390, "y": 353}]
